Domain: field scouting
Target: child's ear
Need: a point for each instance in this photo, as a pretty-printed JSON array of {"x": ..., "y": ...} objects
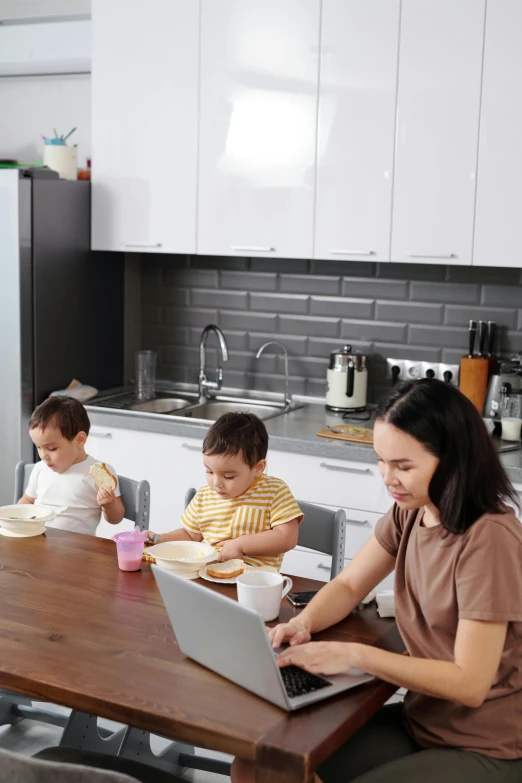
[
  {"x": 260, "y": 467},
  {"x": 81, "y": 438}
]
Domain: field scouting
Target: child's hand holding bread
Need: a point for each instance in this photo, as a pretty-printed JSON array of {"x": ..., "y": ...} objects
[
  {"x": 229, "y": 549},
  {"x": 106, "y": 483}
]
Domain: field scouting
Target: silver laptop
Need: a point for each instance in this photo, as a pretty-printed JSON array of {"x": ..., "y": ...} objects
[{"x": 232, "y": 640}]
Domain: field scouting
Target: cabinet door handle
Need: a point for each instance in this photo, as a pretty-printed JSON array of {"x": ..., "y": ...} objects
[
  {"x": 357, "y": 471},
  {"x": 433, "y": 255},
  {"x": 358, "y": 522},
  {"x": 352, "y": 252},
  {"x": 190, "y": 447},
  {"x": 253, "y": 248},
  {"x": 133, "y": 244},
  {"x": 99, "y": 434},
  {"x": 324, "y": 567}
]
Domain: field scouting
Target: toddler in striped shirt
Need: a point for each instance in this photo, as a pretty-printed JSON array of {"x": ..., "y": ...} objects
[{"x": 241, "y": 511}]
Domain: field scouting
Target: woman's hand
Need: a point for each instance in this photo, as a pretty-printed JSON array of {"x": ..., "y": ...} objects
[
  {"x": 294, "y": 632},
  {"x": 320, "y": 657}
]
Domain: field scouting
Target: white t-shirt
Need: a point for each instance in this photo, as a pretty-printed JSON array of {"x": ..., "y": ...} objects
[{"x": 72, "y": 494}]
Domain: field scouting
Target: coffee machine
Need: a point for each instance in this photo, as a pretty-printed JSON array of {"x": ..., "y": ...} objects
[{"x": 510, "y": 373}]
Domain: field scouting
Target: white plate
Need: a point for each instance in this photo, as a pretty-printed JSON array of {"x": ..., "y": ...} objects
[
  {"x": 10, "y": 534},
  {"x": 203, "y": 574}
]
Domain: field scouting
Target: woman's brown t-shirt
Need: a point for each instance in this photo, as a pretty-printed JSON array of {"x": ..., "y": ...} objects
[{"x": 439, "y": 580}]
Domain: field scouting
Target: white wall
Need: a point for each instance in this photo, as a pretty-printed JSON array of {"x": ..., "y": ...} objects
[{"x": 30, "y": 106}]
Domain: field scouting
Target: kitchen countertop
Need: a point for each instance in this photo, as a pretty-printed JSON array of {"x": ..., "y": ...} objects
[{"x": 293, "y": 432}]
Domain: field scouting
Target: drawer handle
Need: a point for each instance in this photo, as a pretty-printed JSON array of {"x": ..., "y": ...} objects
[
  {"x": 324, "y": 567},
  {"x": 358, "y": 522},
  {"x": 433, "y": 255},
  {"x": 190, "y": 447},
  {"x": 352, "y": 252},
  {"x": 135, "y": 244},
  {"x": 253, "y": 248},
  {"x": 358, "y": 471},
  {"x": 94, "y": 434}
]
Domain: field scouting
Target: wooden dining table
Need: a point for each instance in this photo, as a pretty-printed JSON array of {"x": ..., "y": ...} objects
[{"x": 77, "y": 631}]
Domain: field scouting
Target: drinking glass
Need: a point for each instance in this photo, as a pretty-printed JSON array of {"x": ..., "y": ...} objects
[{"x": 145, "y": 371}]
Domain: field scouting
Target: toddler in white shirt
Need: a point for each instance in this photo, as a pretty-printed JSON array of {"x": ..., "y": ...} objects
[{"x": 59, "y": 428}]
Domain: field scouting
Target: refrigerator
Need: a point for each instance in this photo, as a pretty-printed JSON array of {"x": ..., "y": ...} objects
[{"x": 61, "y": 304}]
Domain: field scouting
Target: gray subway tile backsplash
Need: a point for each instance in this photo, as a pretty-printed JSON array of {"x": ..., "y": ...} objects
[{"x": 404, "y": 311}]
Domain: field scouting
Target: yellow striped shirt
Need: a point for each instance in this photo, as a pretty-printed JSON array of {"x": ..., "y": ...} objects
[{"x": 267, "y": 503}]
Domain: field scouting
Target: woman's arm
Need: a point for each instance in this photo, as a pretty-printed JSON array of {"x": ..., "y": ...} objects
[
  {"x": 467, "y": 680},
  {"x": 337, "y": 598}
]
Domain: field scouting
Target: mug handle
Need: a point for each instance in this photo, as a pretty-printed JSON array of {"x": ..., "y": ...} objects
[{"x": 288, "y": 587}]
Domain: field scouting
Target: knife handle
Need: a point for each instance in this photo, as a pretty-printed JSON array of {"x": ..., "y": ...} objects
[
  {"x": 472, "y": 335},
  {"x": 483, "y": 331},
  {"x": 492, "y": 330}
]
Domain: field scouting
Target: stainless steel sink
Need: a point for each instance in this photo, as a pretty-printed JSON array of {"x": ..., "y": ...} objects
[
  {"x": 161, "y": 405},
  {"x": 213, "y": 409}
]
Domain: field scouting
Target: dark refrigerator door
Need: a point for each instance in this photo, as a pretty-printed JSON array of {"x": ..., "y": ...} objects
[{"x": 77, "y": 294}]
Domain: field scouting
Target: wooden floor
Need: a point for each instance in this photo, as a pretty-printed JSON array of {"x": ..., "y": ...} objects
[{"x": 28, "y": 737}]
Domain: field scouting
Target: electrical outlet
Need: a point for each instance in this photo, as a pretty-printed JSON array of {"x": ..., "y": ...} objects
[
  {"x": 412, "y": 370},
  {"x": 392, "y": 373},
  {"x": 449, "y": 368},
  {"x": 429, "y": 370}
]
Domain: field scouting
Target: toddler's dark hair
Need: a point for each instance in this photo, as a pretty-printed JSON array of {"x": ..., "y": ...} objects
[
  {"x": 235, "y": 433},
  {"x": 65, "y": 413}
]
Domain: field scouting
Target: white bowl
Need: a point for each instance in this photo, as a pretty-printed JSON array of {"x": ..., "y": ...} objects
[
  {"x": 19, "y": 518},
  {"x": 183, "y": 557}
]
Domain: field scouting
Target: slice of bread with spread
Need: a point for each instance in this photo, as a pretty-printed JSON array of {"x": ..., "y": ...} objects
[
  {"x": 227, "y": 570},
  {"x": 102, "y": 476}
]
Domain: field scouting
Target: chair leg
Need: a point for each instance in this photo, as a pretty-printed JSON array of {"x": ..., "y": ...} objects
[
  {"x": 81, "y": 731},
  {"x": 136, "y": 746},
  {"x": 9, "y": 711}
]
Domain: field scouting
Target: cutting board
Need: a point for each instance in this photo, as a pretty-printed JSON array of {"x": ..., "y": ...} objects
[{"x": 348, "y": 432}]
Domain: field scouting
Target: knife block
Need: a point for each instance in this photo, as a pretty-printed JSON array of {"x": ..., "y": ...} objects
[{"x": 473, "y": 380}]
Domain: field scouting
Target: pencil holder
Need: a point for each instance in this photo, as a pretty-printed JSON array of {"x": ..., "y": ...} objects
[{"x": 62, "y": 159}]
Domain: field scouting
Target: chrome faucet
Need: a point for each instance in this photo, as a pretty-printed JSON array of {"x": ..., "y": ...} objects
[
  {"x": 204, "y": 384},
  {"x": 287, "y": 398}
]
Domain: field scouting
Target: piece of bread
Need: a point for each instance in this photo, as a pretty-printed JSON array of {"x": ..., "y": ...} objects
[
  {"x": 102, "y": 475},
  {"x": 227, "y": 570},
  {"x": 147, "y": 558}
]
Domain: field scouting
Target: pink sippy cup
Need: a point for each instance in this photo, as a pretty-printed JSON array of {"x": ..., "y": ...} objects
[{"x": 129, "y": 547}]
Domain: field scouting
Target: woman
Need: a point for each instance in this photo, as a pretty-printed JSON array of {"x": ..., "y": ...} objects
[{"x": 456, "y": 548}]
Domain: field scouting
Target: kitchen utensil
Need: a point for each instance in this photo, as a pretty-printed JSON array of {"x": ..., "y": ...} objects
[
  {"x": 472, "y": 335},
  {"x": 483, "y": 333},
  {"x": 145, "y": 370},
  {"x": 492, "y": 329},
  {"x": 347, "y": 380},
  {"x": 263, "y": 592},
  {"x": 473, "y": 379},
  {"x": 511, "y": 373},
  {"x": 129, "y": 548}
]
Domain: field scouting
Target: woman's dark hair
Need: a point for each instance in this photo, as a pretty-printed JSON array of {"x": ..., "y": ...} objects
[
  {"x": 469, "y": 480},
  {"x": 65, "y": 413},
  {"x": 235, "y": 433}
]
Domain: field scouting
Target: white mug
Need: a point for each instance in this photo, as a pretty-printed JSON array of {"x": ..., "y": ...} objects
[{"x": 263, "y": 591}]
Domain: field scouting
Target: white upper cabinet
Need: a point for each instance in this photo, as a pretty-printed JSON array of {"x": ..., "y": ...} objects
[
  {"x": 440, "y": 69},
  {"x": 356, "y": 130},
  {"x": 145, "y": 120},
  {"x": 258, "y": 123},
  {"x": 498, "y": 227}
]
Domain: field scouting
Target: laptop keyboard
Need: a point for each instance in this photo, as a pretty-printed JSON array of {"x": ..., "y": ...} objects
[{"x": 299, "y": 682}]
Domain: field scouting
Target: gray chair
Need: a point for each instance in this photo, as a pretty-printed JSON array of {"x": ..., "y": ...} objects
[
  {"x": 66, "y": 765},
  {"x": 322, "y": 529},
  {"x": 135, "y": 495}
]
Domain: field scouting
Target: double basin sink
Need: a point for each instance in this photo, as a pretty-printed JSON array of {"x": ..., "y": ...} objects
[{"x": 188, "y": 406}]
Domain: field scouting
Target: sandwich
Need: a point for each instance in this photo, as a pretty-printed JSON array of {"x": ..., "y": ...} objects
[
  {"x": 227, "y": 570},
  {"x": 102, "y": 476}
]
